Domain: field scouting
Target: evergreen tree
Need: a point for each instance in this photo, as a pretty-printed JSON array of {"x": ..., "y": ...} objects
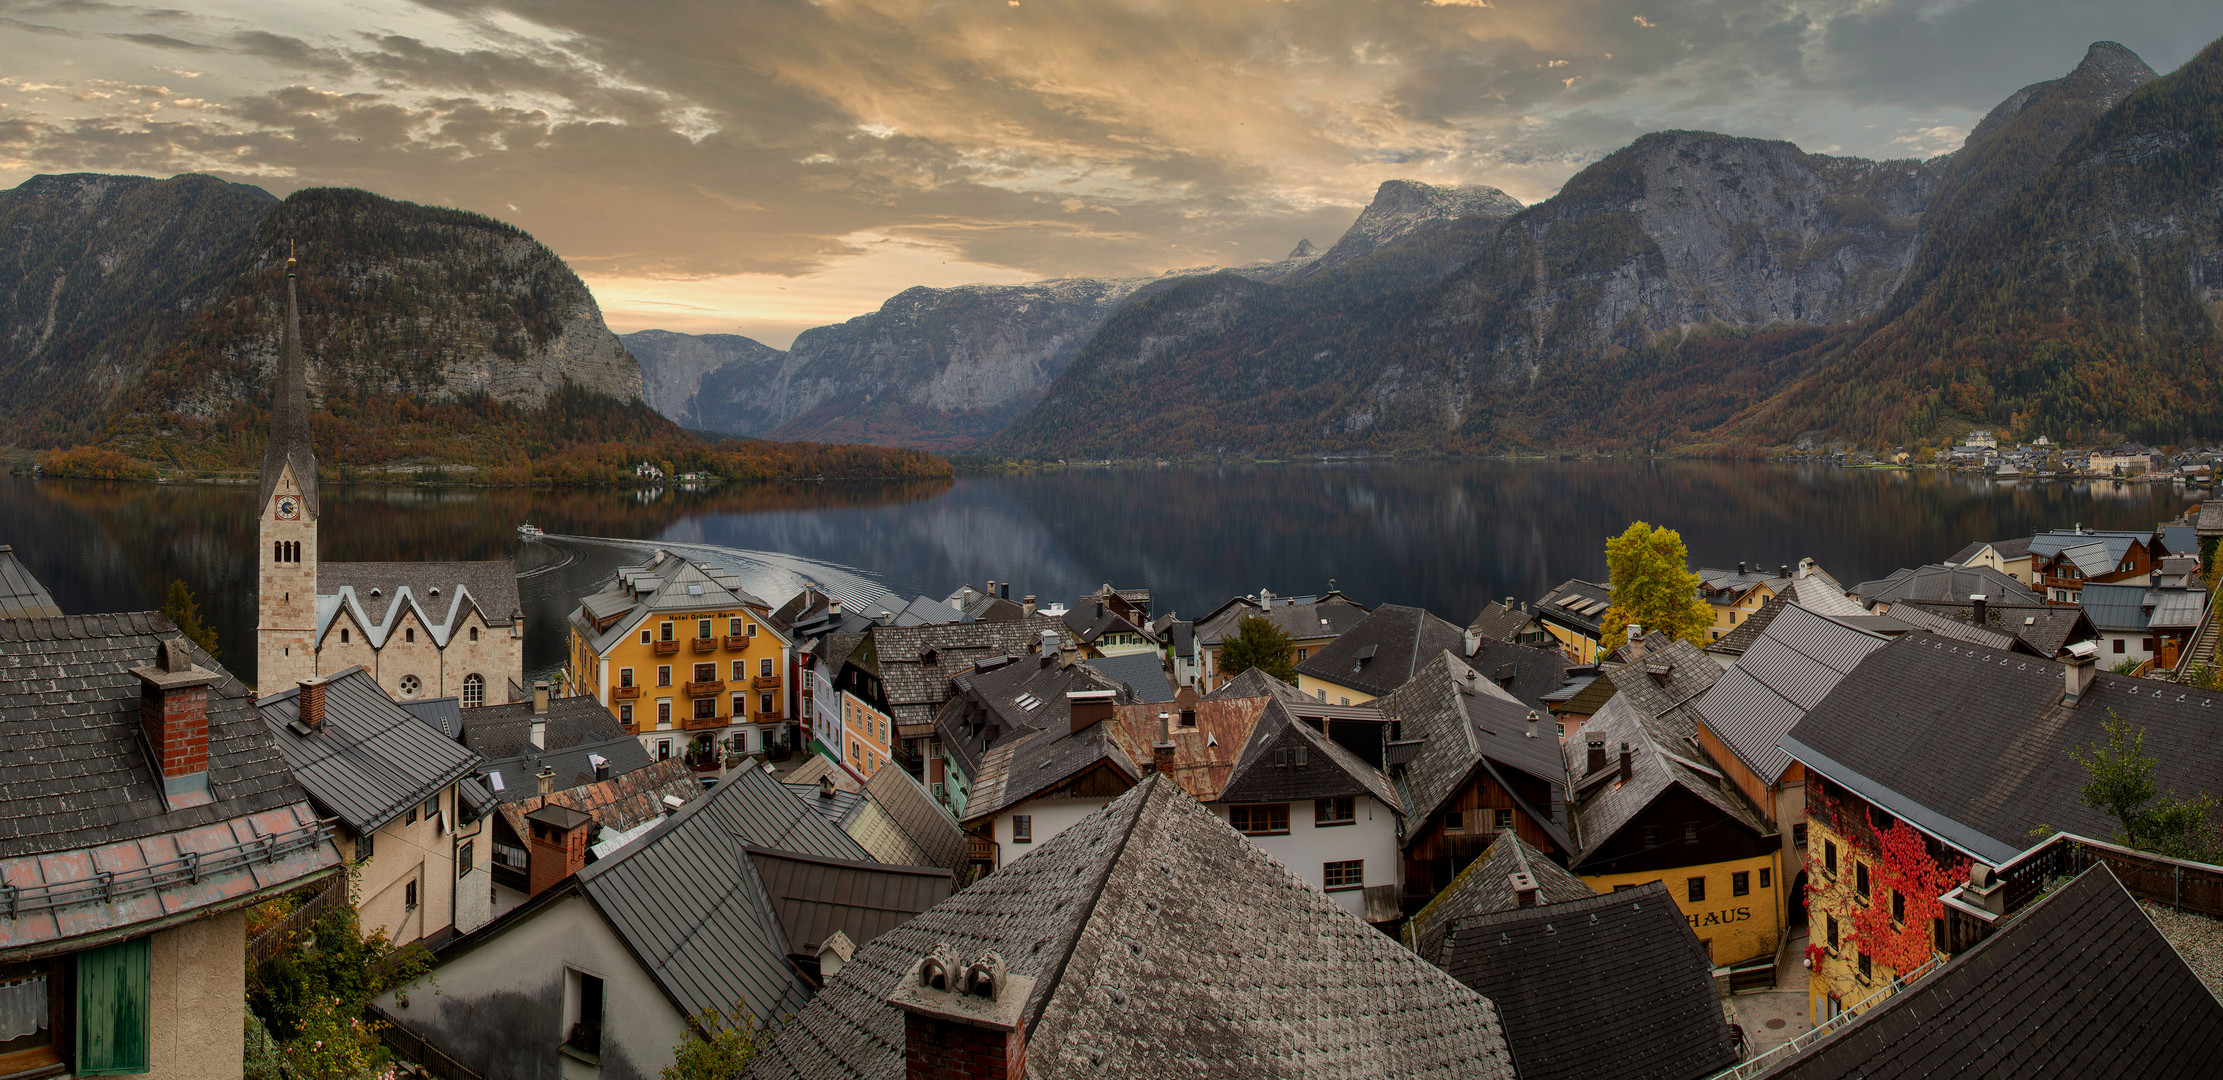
[
  {"x": 1258, "y": 643},
  {"x": 1653, "y": 587},
  {"x": 2121, "y": 783},
  {"x": 186, "y": 613}
]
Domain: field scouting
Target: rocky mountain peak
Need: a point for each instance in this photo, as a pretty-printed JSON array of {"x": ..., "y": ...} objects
[
  {"x": 1303, "y": 249},
  {"x": 1403, "y": 207}
]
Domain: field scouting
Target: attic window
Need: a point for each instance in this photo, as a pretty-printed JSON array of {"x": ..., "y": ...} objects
[
  {"x": 1028, "y": 702},
  {"x": 1289, "y": 757},
  {"x": 694, "y": 590}
]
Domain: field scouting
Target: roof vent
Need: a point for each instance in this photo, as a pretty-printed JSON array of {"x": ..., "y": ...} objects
[
  {"x": 375, "y": 592},
  {"x": 435, "y": 590},
  {"x": 673, "y": 804}
]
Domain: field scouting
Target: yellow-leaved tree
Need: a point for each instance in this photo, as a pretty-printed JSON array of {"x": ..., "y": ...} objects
[{"x": 1653, "y": 587}]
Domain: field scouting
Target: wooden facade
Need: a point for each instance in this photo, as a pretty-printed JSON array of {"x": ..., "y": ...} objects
[{"x": 1434, "y": 854}]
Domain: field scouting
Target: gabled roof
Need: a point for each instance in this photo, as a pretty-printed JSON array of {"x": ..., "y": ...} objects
[
  {"x": 77, "y": 775},
  {"x": 1603, "y": 988},
  {"x": 916, "y": 686},
  {"x": 1659, "y": 759},
  {"x": 1736, "y": 641},
  {"x": 1665, "y": 680},
  {"x": 573, "y": 765},
  {"x": 1820, "y": 593},
  {"x": 2116, "y": 542},
  {"x": 505, "y": 731},
  {"x": 687, "y": 902},
  {"x": 1267, "y": 768},
  {"x": 369, "y": 760},
  {"x": 1787, "y": 671},
  {"x": 1015, "y": 698},
  {"x": 1014, "y": 772},
  {"x": 625, "y": 801},
  {"x": 1253, "y": 683},
  {"x": 2180, "y": 539},
  {"x": 2078, "y": 984},
  {"x": 2041, "y": 629},
  {"x": 1303, "y": 618},
  {"x": 1143, "y": 674},
  {"x": 375, "y": 595},
  {"x": 1485, "y": 887},
  {"x": 1576, "y": 603},
  {"x": 813, "y": 897},
  {"x": 2117, "y": 607},
  {"x": 1161, "y": 944},
  {"x": 1500, "y": 622},
  {"x": 1526, "y": 672},
  {"x": 925, "y": 826},
  {"x": 666, "y": 583},
  {"x": 21, "y": 595},
  {"x": 1939, "y": 582},
  {"x": 820, "y": 765},
  {"x": 2092, "y": 560},
  {"x": 1091, "y": 620},
  {"x": 1384, "y": 649},
  {"x": 1971, "y": 745},
  {"x": 840, "y": 807},
  {"x": 1464, "y": 723}
]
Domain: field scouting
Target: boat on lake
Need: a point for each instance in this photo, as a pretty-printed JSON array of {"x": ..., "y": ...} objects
[{"x": 529, "y": 532}]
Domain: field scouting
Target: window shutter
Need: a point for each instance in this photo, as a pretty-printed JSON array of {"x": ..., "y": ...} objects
[{"x": 115, "y": 993}]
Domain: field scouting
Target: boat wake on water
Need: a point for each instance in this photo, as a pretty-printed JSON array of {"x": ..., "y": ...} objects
[{"x": 773, "y": 576}]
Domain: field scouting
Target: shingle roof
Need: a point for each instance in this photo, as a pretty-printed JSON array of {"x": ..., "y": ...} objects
[
  {"x": 1532, "y": 672},
  {"x": 1736, "y": 641},
  {"x": 1499, "y": 622},
  {"x": 626, "y": 800},
  {"x": 1658, "y": 760},
  {"x": 916, "y": 688},
  {"x": 2079, "y": 984},
  {"x": 1327, "y": 769},
  {"x": 1604, "y": 988},
  {"x": 21, "y": 595},
  {"x": 438, "y": 592},
  {"x": 1463, "y": 722},
  {"x": 812, "y": 897},
  {"x": 820, "y": 765},
  {"x": 1384, "y": 649},
  {"x": 2043, "y": 629},
  {"x": 1143, "y": 674},
  {"x": 1820, "y": 593},
  {"x": 1252, "y": 683},
  {"x": 1299, "y": 620},
  {"x": 1485, "y": 887},
  {"x": 572, "y": 764},
  {"x": 1015, "y": 698},
  {"x": 1666, "y": 680},
  {"x": 1161, "y": 944},
  {"x": 69, "y": 731},
  {"x": 1971, "y": 745},
  {"x": 505, "y": 731},
  {"x": 369, "y": 760},
  {"x": 687, "y": 902},
  {"x": 1939, "y": 582},
  {"x": 1788, "y": 670},
  {"x": 1017, "y": 771}
]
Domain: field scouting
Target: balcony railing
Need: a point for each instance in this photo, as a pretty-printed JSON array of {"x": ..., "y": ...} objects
[
  {"x": 978, "y": 850},
  {"x": 735, "y": 644},
  {"x": 666, "y": 648},
  {"x": 705, "y": 689},
  {"x": 767, "y": 718},
  {"x": 692, "y": 723},
  {"x": 624, "y": 693},
  {"x": 706, "y": 644},
  {"x": 765, "y": 682}
]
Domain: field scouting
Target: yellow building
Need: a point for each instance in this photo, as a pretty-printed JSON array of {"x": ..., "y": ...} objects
[
  {"x": 686, "y": 659},
  {"x": 1570, "y": 614},
  {"x": 1378, "y": 654},
  {"x": 1735, "y": 595}
]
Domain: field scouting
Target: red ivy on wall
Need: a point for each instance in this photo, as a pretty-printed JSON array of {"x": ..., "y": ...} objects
[{"x": 1904, "y": 867}]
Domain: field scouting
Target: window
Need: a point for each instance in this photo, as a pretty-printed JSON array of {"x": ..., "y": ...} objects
[
  {"x": 1346, "y": 700},
  {"x": 2118, "y": 644},
  {"x": 1350, "y": 874},
  {"x": 1022, "y": 828},
  {"x": 740, "y": 670},
  {"x": 664, "y": 713},
  {"x": 664, "y": 631},
  {"x": 1898, "y": 908},
  {"x": 34, "y": 997},
  {"x": 1798, "y": 834},
  {"x": 410, "y": 684},
  {"x": 409, "y": 897},
  {"x": 432, "y": 808},
  {"x": 733, "y": 628},
  {"x": 764, "y": 706},
  {"x": 1455, "y": 822},
  {"x": 583, "y": 1006},
  {"x": 1649, "y": 834},
  {"x": 1829, "y": 857},
  {"x": 1289, "y": 757},
  {"x": 625, "y": 714},
  {"x": 463, "y": 858},
  {"x": 474, "y": 633},
  {"x": 2146, "y": 643},
  {"x": 1690, "y": 832},
  {"x": 1740, "y": 883},
  {"x": 644, "y": 637},
  {"x": 1833, "y": 933},
  {"x": 474, "y": 691},
  {"x": 1338, "y": 811},
  {"x": 409, "y": 634},
  {"x": 764, "y": 668},
  {"x": 1501, "y": 819},
  {"x": 363, "y": 846},
  {"x": 115, "y": 1001},
  {"x": 1264, "y": 819},
  {"x": 663, "y": 674},
  {"x": 663, "y": 749},
  {"x": 1697, "y": 888},
  {"x": 706, "y": 673},
  {"x": 1867, "y": 968},
  {"x": 706, "y": 708},
  {"x": 410, "y": 818},
  {"x": 1764, "y": 873},
  {"x": 343, "y": 635},
  {"x": 625, "y": 676},
  {"x": 740, "y": 705},
  {"x": 749, "y": 630},
  {"x": 1860, "y": 881}
]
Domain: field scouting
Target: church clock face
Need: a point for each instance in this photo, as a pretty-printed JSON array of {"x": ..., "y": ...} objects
[{"x": 289, "y": 508}]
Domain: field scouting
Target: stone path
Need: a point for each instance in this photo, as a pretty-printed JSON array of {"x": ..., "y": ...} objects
[{"x": 1771, "y": 1018}]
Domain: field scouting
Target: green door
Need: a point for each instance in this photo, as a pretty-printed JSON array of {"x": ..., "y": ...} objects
[{"x": 115, "y": 997}]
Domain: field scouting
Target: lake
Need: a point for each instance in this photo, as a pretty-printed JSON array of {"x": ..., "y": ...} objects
[{"x": 1445, "y": 536}]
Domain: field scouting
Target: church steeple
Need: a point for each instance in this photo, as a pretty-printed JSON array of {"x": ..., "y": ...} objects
[{"x": 285, "y": 627}]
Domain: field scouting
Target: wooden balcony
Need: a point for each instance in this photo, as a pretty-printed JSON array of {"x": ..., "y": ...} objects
[
  {"x": 689, "y": 723},
  {"x": 979, "y": 850},
  {"x": 706, "y": 644},
  {"x": 735, "y": 644},
  {"x": 765, "y": 682},
  {"x": 705, "y": 689},
  {"x": 666, "y": 648},
  {"x": 767, "y": 718},
  {"x": 624, "y": 693}
]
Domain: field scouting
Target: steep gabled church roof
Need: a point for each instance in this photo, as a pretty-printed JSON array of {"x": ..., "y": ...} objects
[{"x": 289, "y": 413}]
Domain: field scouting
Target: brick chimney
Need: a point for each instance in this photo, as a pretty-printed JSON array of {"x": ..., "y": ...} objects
[
  {"x": 1161, "y": 752},
  {"x": 963, "y": 1022},
  {"x": 173, "y": 718},
  {"x": 312, "y": 701},
  {"x": 1090, "y": 707},
  {"x": 557, "y": 848},
  {"x": 1524, "y": 888}
]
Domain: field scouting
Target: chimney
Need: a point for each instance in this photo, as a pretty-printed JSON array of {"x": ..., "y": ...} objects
[
  {"x": 1743, "y": 567},
  {"x": 312, "y": 701},
  {"x": 963, "y": 1020},
  {"x": 539, "y": 736},
  {"x": 558, "y": 845},
  {"x": 1090, "y": 707},
  {"x": 1161, "y": 752},
  {"x": 1524, "y": 888},
  {"x": 2077, "y": 672},
  {"x": 1006, "y": 593},
  {"x": 601, "y": 767},
  {"x": 991, "y": 588},
  {"x": 1628, "y": 764},
  {"x": 540, "y": 698},
  {"x": 1636, "y": 633},
  {"x": 173, "y": 717},
  {"x": 547, "y": 778},
  {"x": 1597, "y": 757},
  {"x": 1532, "y": 719},
  {"x": 826, "y": 786},
  {"x": 1046, "y": 645},
  {"x": 1026, "y": 606},
  {"x": 833, "y": 608},
  {"x": 673, "y": 804},
  {"x": 1783, "y": 570},
  {"x": 1976, "y": 609}
]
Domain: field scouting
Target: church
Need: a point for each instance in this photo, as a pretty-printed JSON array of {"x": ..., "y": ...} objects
[{"x": 421, "y": 629}]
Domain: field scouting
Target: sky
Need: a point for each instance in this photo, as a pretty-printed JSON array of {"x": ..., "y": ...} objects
[{"x": 752, "y": 167}]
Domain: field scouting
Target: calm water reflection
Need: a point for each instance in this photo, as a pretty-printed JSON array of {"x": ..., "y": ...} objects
[{"x": 1446, "y": 536}]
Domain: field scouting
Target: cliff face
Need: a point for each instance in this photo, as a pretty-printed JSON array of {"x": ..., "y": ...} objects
[
  {"x": 97, "y": 274},
  {"x": 674, "y": 365},
  {"x": 1401, "y": 208}
]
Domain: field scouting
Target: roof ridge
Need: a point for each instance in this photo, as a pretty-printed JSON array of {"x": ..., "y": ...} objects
[{"x": 1045, "y": 986}]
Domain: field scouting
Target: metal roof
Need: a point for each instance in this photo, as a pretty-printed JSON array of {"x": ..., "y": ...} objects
[
  {"x": 370, "y": 760},
  {"x": 812, "y": 897},
  {"x": 21, "y": 595},
  {"x": 1787, "y": 670},
  {"x": 1142, "y": 673}
]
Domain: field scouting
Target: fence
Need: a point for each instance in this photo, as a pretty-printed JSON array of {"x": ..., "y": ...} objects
[
  {"x": 405, "y": 1043},
  {"x": 263, "y": 945},
  {"x": 1768, "y": 1059}
]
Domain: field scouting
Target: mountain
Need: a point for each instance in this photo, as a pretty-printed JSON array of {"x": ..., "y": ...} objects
[
  {"x": 673, "y": 366},
  {"x": 98, "y": 275},
  {"x": 943, "y": 369},
  {"x": 2084, "y": 307}
]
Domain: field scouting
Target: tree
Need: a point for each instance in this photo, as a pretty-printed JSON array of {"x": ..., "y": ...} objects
[
  {"x": 2121, "y": 783},
  {"x": 733, "y": 1040},
  {"x": 1653, "y": 587},
  {"x": 1258, "y": 643},
  {"x": 186, "y": 613}
]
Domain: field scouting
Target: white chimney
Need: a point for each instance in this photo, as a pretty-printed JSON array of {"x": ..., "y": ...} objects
[{"x": 539, "y": 737}]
